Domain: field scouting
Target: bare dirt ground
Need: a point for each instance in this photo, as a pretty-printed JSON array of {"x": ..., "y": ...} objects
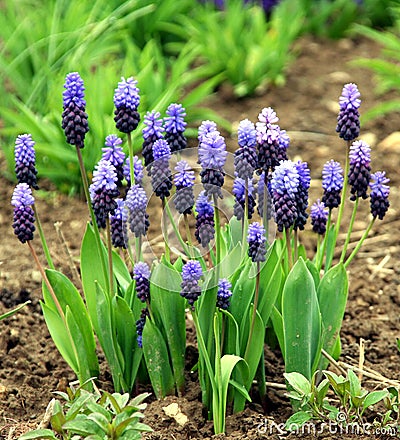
[{"x": 31, "y": 367}]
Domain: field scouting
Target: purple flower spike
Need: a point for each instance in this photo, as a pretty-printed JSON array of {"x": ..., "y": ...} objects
[
  {"x": 379, "y": 201},
  {"x": 224, "y": 294},
  {"x": 332, "y": 184},
  {"x": 269, "y": 5},
  {"x": 272, "y": 141},
  {"x": 212, "y": 151},
  {"x": 348, "y": 121},
  {"x": 74, "y": 117},
  {"x": 246, "y": 155},
  {"x": 191, "y": 274},
  {"x": 161, "y": 177},
  {"x": 212, "y": 157},
  {"x": 113, "y": 153},
  {"x": 140, "y": 323},
  {"x": 103, "y": 191},
  {"x": 175, "y": 125},
  {"x": 136, "y": 202},
  {"x": 285, "y": 178},
  {"x": 360, "y": 169},
  {"x": 319, "y": 216},
  {"x": 25, "y": 160},
  {"x": 285, "y": 185},
  {"x": 152, "y": 131},
  {"x": 137, "y": 170},
  {"x": 184, "y": 180},
  {"x": 24, "y": 217},
  {"x": 141, "y": 274},
  {"x": 302, "y": 194},
  {"x": 205, "y": 128},
  {"x": 257, "y": 240},
  {"x": 240, "y": 196},
  {"x": 126, "y": 101},
  {"x": 119, "y": 228},
  {"x": 205, "y": 226}
]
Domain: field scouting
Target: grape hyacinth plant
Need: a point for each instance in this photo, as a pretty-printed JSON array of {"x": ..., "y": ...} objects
[{"x": 235, "y": 283}]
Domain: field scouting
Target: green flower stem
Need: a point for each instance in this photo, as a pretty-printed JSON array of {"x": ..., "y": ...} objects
[
  {"x": 43, "y": 238},
  {"x": 92, "y": 216},
  {"x": 165, "y": 230},
  {"x": 203, "y": 353},
  {"x": 318, "y": 252},
  {"x": 138, "y": 244},
  {"x": 109, "y": 253},
  {"x": 360, "y": 242},
  {"x": 176, "y": 230},
  {"x": 288, "y": 248},
  {"x": 188, "y": 235},
  {"x": 219, "y": 413},
  {"x": 350, "y": 229},
  {"x": 217, "y": 234},
  {"x": 245, "y": 220},
  {"x": 265, "y": 218},
  {"x": 296, "y": 245},
  {"x": 130, "y": 152},
  {"x": 321, "y": 255},
  {"x": 253, "y": 316},
  {"x": 343, "y": 196}
]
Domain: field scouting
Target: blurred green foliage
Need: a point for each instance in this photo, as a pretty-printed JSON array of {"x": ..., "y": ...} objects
[
  {"x": 178, "y": 51},
  {"x": 386, "y": 67}
]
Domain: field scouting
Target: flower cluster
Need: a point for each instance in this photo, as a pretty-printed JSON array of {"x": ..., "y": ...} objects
[
  {"x": 103, "y": 191},
  {"x": 348, "y": 121},
  {"x": 126, "y": 101},
  {"x": 175, "y": 125},
  {"x": 191, "y": 274},
  {"x": 184, "y": 180},
  {"x": 74, "y": 117},
  {"x": 212, "y": 156},
  {"x": 205, "y": 225},
  {"x": 24, "y": 217},
  {"x": 25, "y": 160}
]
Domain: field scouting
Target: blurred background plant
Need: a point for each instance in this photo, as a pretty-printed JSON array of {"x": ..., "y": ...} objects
[
  {"x": 250, "y": 51},
  {"x": 97, "y": 39},
  {"x": 386, "y": 68},
  {"x": 173, "y": 50}
]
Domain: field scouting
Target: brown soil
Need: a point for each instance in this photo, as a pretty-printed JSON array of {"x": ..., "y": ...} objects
[{"x": 31, "y": 367}]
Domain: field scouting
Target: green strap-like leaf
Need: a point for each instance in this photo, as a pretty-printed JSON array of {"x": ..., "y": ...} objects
[
  {"x": 332, "y": 297},
  {"x": 92, "y": 273},
  {"x": 170, "y": 306},
  {"x": 125, "y": 325},
  {"x": 157, "y": 360},
  {"x": 301, "y": 321}
]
